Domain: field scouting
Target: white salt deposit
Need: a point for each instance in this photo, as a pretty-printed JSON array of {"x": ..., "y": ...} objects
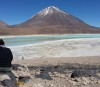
[{"x": 59, "y": 48}]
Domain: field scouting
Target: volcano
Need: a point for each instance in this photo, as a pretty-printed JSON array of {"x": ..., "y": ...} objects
[{"x": 52, "y": 20}]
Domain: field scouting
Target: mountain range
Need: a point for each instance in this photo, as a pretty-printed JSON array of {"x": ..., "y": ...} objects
[{"x": 50, "y": 20}]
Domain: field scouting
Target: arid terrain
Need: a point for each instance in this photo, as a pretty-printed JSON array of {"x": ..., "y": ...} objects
[
  {"x": 61, "y": 63},
  {"x": 57, "y": 72}
]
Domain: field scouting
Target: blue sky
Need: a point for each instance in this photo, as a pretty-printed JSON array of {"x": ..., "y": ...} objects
[{"x": 17, "y": 11}]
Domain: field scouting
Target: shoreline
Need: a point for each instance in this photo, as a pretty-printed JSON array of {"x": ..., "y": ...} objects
[
  {"x": 59, "y": 48},
  {"x": 10, "y": 36}
]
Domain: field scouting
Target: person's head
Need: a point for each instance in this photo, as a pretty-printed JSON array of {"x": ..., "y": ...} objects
[{"x": 2, "y": 42}]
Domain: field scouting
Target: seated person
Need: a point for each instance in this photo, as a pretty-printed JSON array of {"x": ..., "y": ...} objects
[{"x": 5, "y": 57}]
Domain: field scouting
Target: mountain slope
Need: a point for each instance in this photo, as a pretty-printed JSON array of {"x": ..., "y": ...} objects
[
  {"x": 53, "y": 16},
  {"x": 3, "y": 28},
  {"x": 2, "y": 24},
  {"x": 55, "y": 21},
  {"x": 52, "y": 20}
]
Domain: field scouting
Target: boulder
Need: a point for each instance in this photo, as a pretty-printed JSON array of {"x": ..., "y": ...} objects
[{"x": 80, "y": 73}]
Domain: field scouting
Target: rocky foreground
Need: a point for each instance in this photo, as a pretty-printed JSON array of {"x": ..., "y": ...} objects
[{"x": 55, "y": 72}]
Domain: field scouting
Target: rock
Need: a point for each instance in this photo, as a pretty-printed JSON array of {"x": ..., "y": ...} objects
[
  {"x": 4, "y": 77},
  {"x": 72, "y": 82},
  {"x": 92, "y": 78},
  {"x": 56, "y": 74},
  {"x": 80, "y": 73},
  {"x": 26, "y": 68},
  {"x": 63, "y": 86},
  {"x": 18, "y": 67},
  {"x": 62, "y": 76},
  {"x": 37, "y": 85},
  {"x": 23, "y": 72},
  {"x": 5, "y": 81},
  {"x": 8, "y": 79},
  {"x": 15, "y": 67},
  {"x": 85, "y": 79},
  {"x": 45, "y": 81},
  {"x": 37, "y": 72},
  {"x": 52, "y": 85},
  {"x": 98, "y": 82},
  {"x": 23, "y": 79},
  {"x": 77, "y": 80},
  {"x": 15, "y": 74},
  {"x": 57, "y": 81},
  {"x": 98, "y": 76},
  {"x": 1, "y": 85},
  {"x": 45, "y": 75}
]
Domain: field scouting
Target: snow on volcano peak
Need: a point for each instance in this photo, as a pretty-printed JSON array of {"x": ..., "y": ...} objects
[{"x": 50, "y": 10}]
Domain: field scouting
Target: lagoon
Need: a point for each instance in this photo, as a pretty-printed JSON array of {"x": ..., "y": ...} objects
[{"x": 33, "y": 39}]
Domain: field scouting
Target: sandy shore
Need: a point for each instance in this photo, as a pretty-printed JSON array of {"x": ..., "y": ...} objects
[{"x": 92, "y": 60}]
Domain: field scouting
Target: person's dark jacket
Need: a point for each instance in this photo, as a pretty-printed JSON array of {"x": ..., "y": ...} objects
[{"x": 5, "y": 57}]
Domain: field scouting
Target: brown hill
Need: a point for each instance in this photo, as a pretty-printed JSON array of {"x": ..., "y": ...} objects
[{"x": 3, "y": 28}]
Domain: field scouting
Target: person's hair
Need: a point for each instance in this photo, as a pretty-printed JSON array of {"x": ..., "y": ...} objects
[{"x": 2, "y": 42}]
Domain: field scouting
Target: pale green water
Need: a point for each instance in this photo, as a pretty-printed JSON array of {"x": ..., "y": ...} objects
[{"x": 24, "y": 40}]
